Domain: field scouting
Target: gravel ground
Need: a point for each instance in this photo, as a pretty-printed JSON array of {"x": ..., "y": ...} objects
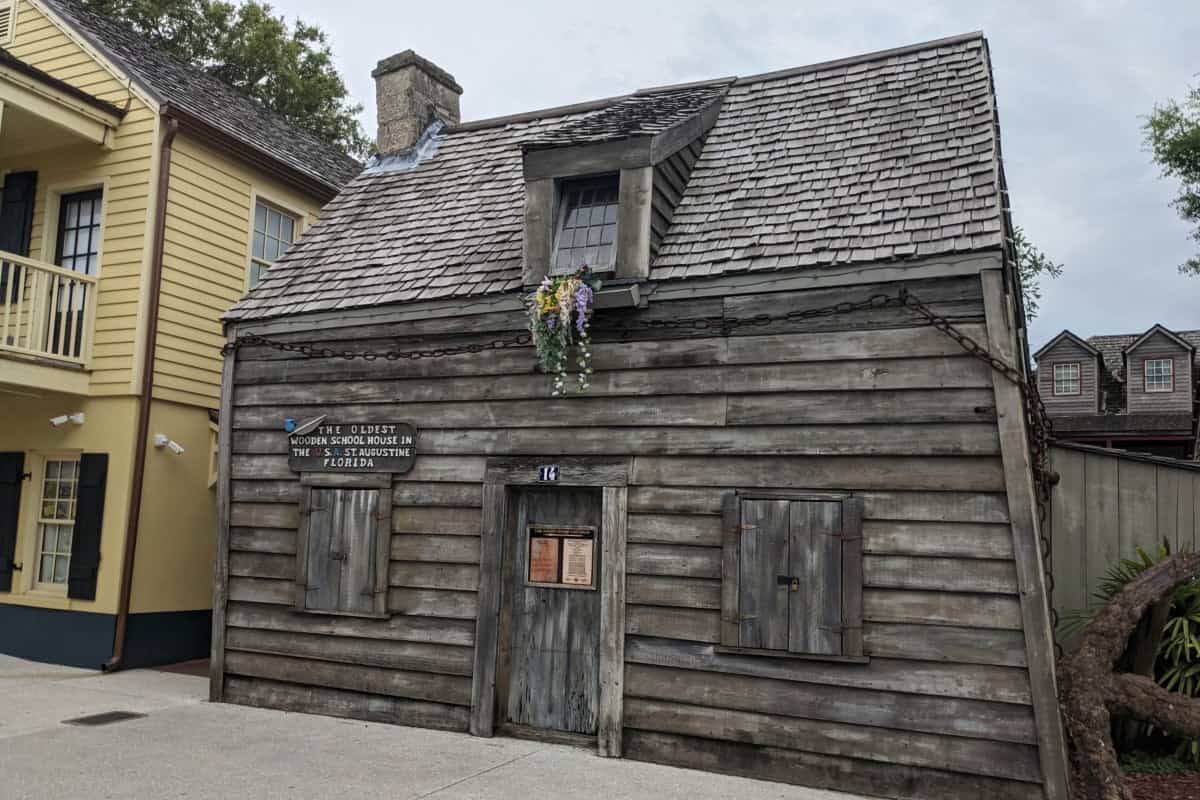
[{"x": 1185, "y": 786}]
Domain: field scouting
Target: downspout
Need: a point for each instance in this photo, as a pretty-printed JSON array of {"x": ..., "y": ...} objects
[{"x": 144, "y": 399}]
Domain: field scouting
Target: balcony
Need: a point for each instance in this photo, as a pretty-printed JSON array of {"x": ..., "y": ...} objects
[{"x": 47, "y": 321}]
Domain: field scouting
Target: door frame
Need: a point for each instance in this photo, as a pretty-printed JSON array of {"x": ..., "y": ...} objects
[{"x": 502, "y": 478}]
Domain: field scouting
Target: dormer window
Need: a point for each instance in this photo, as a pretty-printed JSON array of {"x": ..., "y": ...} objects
[
  {"x": 1160, "y": 375},
  {"x": 586, "y": 233},
  {"x": 1066, "y": 379}
]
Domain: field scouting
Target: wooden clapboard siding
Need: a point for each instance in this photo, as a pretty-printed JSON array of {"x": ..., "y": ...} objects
[
  {"x": 206, "y": 253},
  {"x": 882, "y": 407}
]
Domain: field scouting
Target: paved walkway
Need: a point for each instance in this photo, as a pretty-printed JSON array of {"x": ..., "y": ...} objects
[{"x": 186, "y": 747}]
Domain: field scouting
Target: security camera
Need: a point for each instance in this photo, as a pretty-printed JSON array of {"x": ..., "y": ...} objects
[
  {"x": 162, "y": 440},
  {"x": 77, "y": 418}
]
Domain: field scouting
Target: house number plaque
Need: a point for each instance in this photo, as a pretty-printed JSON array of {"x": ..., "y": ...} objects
[{"x": 352, "y": 447}]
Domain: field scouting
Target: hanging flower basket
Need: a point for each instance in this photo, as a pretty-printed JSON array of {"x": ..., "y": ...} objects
[{"x": 560, "y": 312}]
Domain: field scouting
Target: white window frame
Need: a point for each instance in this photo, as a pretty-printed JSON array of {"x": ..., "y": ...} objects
[
  {"x": 299, "y": 220},
  {"x": 14, "y": 7},
  {"x": 1078, "y": 379},
  {"x": 1170, "y": 374},
  {"x": 37, "y": 524}
]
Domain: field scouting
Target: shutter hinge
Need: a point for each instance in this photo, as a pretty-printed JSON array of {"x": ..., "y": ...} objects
[
  {"x": 845, "y": 536},
  {"x": 25, "y": 476},
  {"x": 744, "y": 528},
  {"x": 840, "y": 628}
]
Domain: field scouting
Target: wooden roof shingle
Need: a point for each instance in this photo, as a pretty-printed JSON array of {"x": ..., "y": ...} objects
[{"x": 885, "y": 157}]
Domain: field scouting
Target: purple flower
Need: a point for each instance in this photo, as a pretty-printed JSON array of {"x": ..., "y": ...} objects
[
  {"x": 551, "y": 321},
  {"x": 583, "y": 301}
]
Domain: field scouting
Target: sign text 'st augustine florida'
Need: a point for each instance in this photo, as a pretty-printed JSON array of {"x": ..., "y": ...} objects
[{"x": 353, "y": 447}]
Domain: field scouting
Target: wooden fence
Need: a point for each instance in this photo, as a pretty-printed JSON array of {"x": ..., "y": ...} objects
[{"x": 1109, "y": 503}]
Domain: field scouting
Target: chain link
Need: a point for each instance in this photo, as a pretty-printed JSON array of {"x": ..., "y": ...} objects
[{"x": 1038, "y": 424}]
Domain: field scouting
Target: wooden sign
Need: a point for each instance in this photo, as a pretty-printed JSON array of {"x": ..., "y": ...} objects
[
  {"x": 353, "y": 447},
  {"x": 562, "y": 557}
]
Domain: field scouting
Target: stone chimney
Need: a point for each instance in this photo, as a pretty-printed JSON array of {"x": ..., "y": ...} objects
[{"x": 410, "y": 93}]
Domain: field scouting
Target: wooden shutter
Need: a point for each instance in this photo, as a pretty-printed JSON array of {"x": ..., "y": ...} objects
[
  {"x": 792, "y": 575},
  {"x": 762, "y": 600},
  {"x": 89, "y": 518},
  {"x": 12, "y": 469},
  {"x": 343, "y": 556}
]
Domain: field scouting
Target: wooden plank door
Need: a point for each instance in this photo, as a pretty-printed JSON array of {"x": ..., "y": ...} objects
[{"x": 553, "y": 659}]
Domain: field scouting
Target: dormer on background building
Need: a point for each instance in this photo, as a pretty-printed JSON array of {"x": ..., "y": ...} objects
[{"x": 1134, "y": 392}]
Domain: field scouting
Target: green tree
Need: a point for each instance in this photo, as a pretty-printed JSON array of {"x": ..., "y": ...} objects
[
  {"x": 1173, "y": 136},
  {"x": 1033, "y": 265},
  {"x": 286, "y": 67}
]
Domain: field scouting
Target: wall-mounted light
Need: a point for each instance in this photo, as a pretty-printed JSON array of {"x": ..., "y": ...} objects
[
  {"x": 76, "y": 419},
  {"x": 163, "y": 441}
]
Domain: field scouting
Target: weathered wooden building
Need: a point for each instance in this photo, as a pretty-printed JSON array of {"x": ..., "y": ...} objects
[{"x": 789, "y": 532}]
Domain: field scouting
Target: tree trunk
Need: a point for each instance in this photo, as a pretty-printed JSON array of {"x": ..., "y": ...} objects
[{"x": 1091, "y": 693}]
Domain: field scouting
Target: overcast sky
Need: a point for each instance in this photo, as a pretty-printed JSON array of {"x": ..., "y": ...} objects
[{"x": 1073, "y": 80}]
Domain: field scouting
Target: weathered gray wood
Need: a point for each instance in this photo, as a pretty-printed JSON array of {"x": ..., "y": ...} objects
[
  {"x": 1035, "y": 614},
  {"x": 572, "y": 471},
  {"x": 649, "y": 590},
  {"x": 815, "y": 558},
  {"x": 483, "y": 679},
  {"x": 730, "y": 567},
  {"x": 815, "y": 408},
  {"x": 967, "y": 439},
  {"x": 1002, "y": 684},
  {"x": 936, "y": 506},
  {"x": 673, "y": 500},
  {"x": 555, "y": 644},
  {"x": 941, "y": 574},
  {"x": 762, "y": 603},
  {"x": 427, "y": 468},
  {"x": 266, "y": 491},
  {"x": 436, "y": 521},
  {"x": 349, "y": 480},
  {"x": 264, "y": 515},
  {"x": 972, "y": 756},
  {"x": 1069, "y": 533},
  {"x": 1137, "y": 486},
  {"x": 262, "y": 540},
  {"x": 954, "y": 539},
  {"x": 691, "y": 529},
  {"x": 822, "y": 472},
  {"x": 539, "y": 230},
  {"x": 409, "y": 656},
  {"x": 945, "y": 643},
  {"x": 943, "y": 715},
  {"x": 397, "y": 628},
  {"x": 852, "y": 576},
  {"x": 677, "y": 560},
  {"x": 820, "y": 770},
  {"x": 953, "y": 372},
  {"x": 216, "y": 666},
  {"x": 635, "y": 191},
  {"x": 610, "y": 709},
  {"x": 461, "y": 577},
  {"x": 893, "y": 343},
  {"x": 262, "y": 565},
  {"x": 452, "y": 689},
  {"x": 676, "y": 623},
  {"x": 942, "y": 608},
  {"x": 434, "y": 603},
  {"x": 442, "y": 549},
  {"x": 338, "y": 703},
  {"x": 261, "y": 590},
  {"x": 456, "y": 495}
]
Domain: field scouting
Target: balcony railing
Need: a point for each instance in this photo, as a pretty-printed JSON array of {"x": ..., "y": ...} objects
[{"x": 45, "y": 311}]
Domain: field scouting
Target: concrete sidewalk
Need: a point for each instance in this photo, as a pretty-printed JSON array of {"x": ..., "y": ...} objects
[{"x": 186, "y": 747}]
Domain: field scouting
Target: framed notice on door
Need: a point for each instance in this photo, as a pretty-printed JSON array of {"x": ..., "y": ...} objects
[{"x": 562, "y": 556}]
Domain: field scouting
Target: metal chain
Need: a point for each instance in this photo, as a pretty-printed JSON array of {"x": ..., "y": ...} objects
[{"x": 1037, "y": 422}]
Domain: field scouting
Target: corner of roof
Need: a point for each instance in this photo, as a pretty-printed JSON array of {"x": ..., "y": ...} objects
[
  {"x": 1067, "y": 334},
  {"x": 1158, "y": 327}
]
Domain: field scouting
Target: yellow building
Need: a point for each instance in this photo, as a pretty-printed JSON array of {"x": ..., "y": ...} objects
[{"x": 140, "y": 198}]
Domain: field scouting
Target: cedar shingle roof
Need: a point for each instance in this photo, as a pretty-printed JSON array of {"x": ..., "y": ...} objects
[
  {"x": 1112, "y": 351},
  {"x": 205, "y": 97},
  {"x": 886, "y": 157}
]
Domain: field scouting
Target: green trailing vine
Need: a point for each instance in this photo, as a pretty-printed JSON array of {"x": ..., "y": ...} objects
[{"x": 560, "y": 313}]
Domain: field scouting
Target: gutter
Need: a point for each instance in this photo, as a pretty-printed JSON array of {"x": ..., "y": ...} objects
[{"x": 144, "y": 399}]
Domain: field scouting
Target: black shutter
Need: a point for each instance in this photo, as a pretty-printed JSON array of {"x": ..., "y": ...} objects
[
  {"x": 12, "y": 467},
  {"x": 89, "y": 517},
  {"x": 16, "y": 225}
]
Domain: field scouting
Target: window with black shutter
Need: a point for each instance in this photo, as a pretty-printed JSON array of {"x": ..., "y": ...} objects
[
  {"x": 342, "y": 556},
  {"x": 792, "y": 575},
  {"x": 84, "y": 564},
  {"x": 16, "y": 227},
  {"x": 12, "y": 473}
]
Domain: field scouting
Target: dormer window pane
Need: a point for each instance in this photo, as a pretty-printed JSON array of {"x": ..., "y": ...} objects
[
  {"x": 1160, "y": 375},
  {"x": 1066, "y": 379},
  {"x": 587, "y": 225}
]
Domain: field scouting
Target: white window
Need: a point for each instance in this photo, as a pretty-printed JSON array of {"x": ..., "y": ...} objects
[
  {"x": 1066, "y": 379},
  {"x": 1160, "y": 374},
  {"x": 56, "y": 520},
  {"x": 8, "y": 21},
  {"x": 274, "y": 233}
]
